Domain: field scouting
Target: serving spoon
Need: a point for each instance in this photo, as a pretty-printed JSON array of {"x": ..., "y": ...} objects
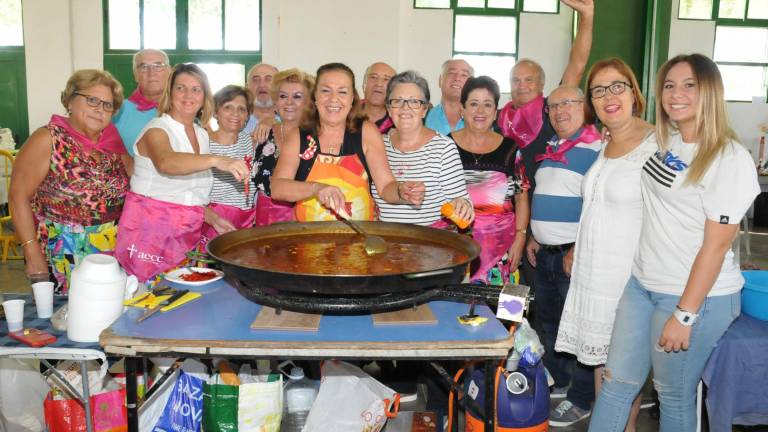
[{"x": 373, "y": 244}]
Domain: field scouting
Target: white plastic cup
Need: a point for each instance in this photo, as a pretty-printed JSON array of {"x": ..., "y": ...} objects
[
  {"x": 43, "y": 292},
  {"x": 14, "y": 314}
]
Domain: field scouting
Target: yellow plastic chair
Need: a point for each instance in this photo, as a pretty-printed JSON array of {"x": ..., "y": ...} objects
[{"x": 8, "y": 239}]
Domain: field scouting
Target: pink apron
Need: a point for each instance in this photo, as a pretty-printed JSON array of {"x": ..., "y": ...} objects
[
  {"x": 236, "y": 216},
  {"x": 495, "y": 233},
  {"x": 269, "y": 211},
  {"x": 154, "y": 236}
]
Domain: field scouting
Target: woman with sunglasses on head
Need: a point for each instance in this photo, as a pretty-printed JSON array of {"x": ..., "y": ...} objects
[
  {"x": 290, "y": 90},
  {"x": 495, "y": 182},
  {"x": 611, "y": 215},
  {"x": 416, "y": 152},
  {"x": 70, "y": 179},
  {"x": 170, "y": 188},
  {"x": 684, "y": 289}
]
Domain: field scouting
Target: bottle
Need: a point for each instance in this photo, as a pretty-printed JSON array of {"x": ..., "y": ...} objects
[
  {"x": 512, "y": 361},
  {"x": 448, "y": 211},
  {"x": 300, "y": 394}
]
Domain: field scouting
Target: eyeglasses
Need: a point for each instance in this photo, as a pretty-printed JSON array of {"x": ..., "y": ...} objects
[
  {"x": 616, "y": 88},
  {"x": 413, "y": 104},
  {"x": 95, "y": 102},
  {"x": 154, "y": 67},
  {"x": 563, "y": 104}
]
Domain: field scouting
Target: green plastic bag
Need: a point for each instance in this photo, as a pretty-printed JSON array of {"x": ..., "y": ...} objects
[{"x": 219, "y": 408}]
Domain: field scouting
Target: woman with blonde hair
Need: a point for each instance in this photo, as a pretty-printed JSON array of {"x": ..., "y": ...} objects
[
  {"x": 70, "y": 179},
  {"x": 290, "y": 91},
  {"x": 171, "y": 185},
  {"x": 684, "y": 289}
]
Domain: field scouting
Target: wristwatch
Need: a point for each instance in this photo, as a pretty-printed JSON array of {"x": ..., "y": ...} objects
[{"x": 684, "y": 317}]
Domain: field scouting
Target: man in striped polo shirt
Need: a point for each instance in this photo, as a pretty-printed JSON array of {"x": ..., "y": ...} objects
[{"x": 555, "y": 213}]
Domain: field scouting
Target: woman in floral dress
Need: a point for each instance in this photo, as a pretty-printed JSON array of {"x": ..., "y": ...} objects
[{"x": 70, "y": 179}]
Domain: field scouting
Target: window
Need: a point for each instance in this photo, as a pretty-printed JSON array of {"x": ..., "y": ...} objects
[
  {"x": 13, "y": 81},
  {"x": 488, "y": 43},
  {"x": 222, "y": 36},
  {"x": 695, "y": 9},
  {"x": 539, "y": 6},
  {"x": 11, "y": 30},
  {"x": 744, "y": 66},
  {"x": 485, "y": 32},
  {"x": 432, "y": 4},
  {"x": 741, "y": 43},
  {"x": 726, "y": 9}
]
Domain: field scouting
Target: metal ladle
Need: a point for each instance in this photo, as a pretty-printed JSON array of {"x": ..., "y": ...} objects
[{"x": 373, "y": 244}]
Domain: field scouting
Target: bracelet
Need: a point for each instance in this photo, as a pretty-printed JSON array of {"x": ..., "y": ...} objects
[
  {"x": 524, "y": 231},
  {"x": 27, "y": 242}
]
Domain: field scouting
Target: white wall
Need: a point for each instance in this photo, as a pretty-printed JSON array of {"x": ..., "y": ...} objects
[
  {"x": 690, "y": 36},
  {"x": 48, "y": 53},
  {"x": 59, "y": 37},
  {"x": 64, "y": 35},
  {"x": 546, "y": 38}
]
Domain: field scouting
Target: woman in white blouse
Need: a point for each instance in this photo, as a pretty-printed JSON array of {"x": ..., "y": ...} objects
[{"x": 164, "y": 211}]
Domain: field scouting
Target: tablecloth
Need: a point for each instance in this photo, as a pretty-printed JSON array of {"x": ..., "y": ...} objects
[
  {"x": 62, "y": 349},
  {"x": 736, "y": 376}
]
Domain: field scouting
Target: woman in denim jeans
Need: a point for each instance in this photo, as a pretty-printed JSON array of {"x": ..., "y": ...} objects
[{"x": 684, "y": 289}]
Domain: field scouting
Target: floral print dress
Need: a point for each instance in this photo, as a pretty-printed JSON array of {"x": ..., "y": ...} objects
[{"x": 77, "y": 204}]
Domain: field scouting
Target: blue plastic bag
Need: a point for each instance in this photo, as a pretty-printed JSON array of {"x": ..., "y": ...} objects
[{"x": 184, "y": 410}]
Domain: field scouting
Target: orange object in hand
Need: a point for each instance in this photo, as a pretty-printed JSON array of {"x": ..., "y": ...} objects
[{"x": 448, "y": 211}]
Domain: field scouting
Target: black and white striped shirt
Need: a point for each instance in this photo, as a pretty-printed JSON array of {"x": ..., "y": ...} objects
[
  {"x": 226, "y": 190},
  {"x": 438, "y": 165}
]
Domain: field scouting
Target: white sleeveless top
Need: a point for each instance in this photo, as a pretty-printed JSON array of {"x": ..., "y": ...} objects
[{"x": 191, "y": 189}]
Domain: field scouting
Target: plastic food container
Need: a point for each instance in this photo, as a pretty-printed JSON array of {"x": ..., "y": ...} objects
[{"x": 754, "y": 296}]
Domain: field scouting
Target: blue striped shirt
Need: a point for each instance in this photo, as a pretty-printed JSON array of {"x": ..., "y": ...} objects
[{"x": 557, "y": 200}]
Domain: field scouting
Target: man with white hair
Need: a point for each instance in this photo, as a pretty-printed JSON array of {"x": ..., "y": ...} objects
[
  {"x": 524, "y": 118},
  {"x": 555, "y": 213},
  {"x": 150, "y": 70},
  {"x": 259, "y": 82},
  {"x": 446, "y": 117}
]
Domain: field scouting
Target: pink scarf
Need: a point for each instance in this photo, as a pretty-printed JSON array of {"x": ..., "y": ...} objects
[
  {"x": 387, "y": 125},
  {"x": 109, "y": 141},
  {"x": 588, "y": 134},
  {"x": 522, "y": 124},
  {"x": 141, "y": 101}
]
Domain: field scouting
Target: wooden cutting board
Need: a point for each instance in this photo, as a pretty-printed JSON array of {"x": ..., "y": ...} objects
[
  {"x": 269, "y": 319},
  {"x": 422, "y": 314}
]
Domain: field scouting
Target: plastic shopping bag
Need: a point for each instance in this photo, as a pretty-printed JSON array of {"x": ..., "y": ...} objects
[
  {"x": 108, "y": 413},
  {"x": 184, "y": 410},
  {"x": 260, "y": 406},
  {"x": 219, "y": 407},
  {"x": 22, "y": 391},
  {"x": 152, "y": 408},
  {"x": 350, "y": 400}
]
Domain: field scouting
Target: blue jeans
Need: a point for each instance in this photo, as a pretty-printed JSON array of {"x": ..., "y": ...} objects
[
  {"x": 640, "y": 318},
  {"x": 552, "y": 284}
]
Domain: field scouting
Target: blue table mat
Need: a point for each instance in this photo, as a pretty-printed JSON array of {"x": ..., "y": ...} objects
[{"x": 223, "y": 314}]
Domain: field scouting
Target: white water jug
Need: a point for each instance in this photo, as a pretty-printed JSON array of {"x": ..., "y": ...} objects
[{"x": 98, "y": 287}]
